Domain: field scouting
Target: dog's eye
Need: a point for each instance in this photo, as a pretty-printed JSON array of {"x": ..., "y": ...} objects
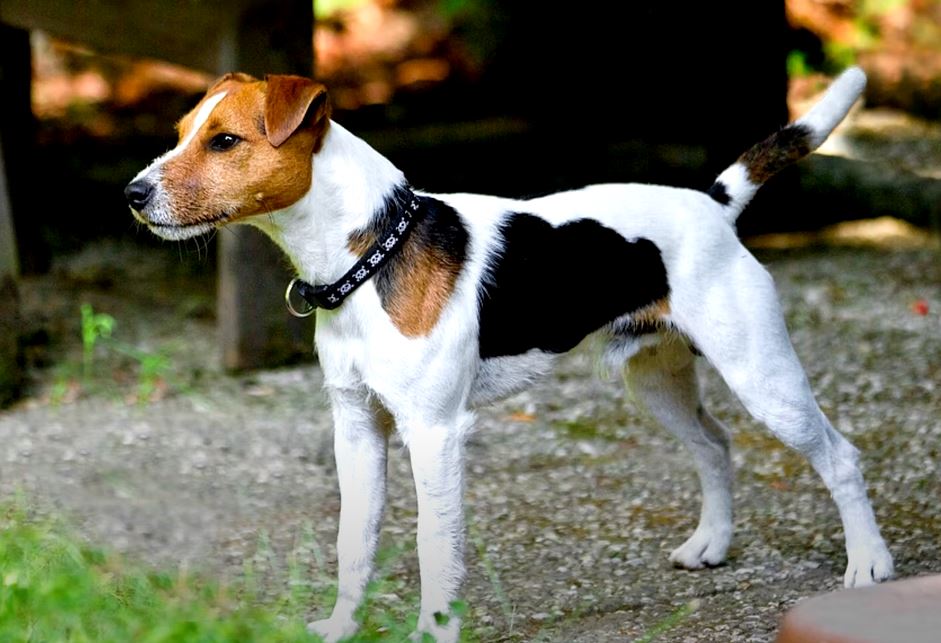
[{"x": 223, "y": 142}]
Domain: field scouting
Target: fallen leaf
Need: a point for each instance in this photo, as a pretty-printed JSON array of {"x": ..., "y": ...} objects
[{"x": 920, "y": 307}]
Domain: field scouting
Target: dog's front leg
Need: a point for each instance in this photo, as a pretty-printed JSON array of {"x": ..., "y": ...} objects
[
  {"x": 360, "y": 447},
  {"x": 437, "y": 458}
]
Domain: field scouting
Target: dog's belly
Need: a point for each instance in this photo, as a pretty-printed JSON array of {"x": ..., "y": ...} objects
[{"x": 500, "y": 377}]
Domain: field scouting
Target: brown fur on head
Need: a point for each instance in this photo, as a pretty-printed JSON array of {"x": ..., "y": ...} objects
[{"x": 252, "y": 154}]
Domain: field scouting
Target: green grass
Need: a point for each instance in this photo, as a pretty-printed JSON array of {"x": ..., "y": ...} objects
[
  {"x": 115, "y": 368},
  {"x": 54, "y": 588}
]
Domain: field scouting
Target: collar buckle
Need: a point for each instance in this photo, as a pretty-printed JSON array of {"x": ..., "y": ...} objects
[{"x": 301, "y": 314}]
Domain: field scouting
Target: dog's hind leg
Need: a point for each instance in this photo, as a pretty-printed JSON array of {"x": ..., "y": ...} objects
[
  {"x": 360, "y": 445},
  {"x": 739, "y": 327},
  {"x": 663, "y": 381}
]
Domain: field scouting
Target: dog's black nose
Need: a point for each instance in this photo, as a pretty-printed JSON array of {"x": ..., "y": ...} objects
[{"x": 138, "y": 194}]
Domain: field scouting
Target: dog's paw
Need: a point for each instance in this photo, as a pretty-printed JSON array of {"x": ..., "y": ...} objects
[
  {"x": 442, "y": 630},
  {"x": 705, "y": 548},
  {"x": 868, "y": 565},
  {"x": 333, "y": 630}
]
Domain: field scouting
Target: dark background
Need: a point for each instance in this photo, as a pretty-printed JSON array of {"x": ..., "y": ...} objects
[{"x": 513, "y": 98}]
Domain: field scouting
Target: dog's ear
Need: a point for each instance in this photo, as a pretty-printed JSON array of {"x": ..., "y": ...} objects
[{"x": 289, "y": 102}]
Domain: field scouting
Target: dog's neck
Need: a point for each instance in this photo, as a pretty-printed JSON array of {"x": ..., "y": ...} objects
[{"x": 351, "y": 182}]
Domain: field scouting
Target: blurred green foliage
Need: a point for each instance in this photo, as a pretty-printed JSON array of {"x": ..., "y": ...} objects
[{"x": 868, "y": 20}]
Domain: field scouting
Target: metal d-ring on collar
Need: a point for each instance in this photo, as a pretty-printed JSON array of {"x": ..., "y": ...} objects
[
  {"x": 291, "y": 309},
  {"x": 388, "y": 243}
]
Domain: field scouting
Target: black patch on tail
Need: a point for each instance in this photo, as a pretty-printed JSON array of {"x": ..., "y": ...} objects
[
  {"x": 719, "y": 193},
  {"x": 776, "y": 152},
  {"x": 549, "y": 287}
]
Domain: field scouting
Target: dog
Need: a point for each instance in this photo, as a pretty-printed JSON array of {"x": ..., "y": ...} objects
[{"x": 430, "y": 305}]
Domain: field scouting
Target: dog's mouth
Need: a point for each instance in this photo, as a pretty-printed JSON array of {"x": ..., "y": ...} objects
[{"x": 177, "y": 231}]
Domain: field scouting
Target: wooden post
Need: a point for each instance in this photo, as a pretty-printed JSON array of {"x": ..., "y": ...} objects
[
  {"x": 10, "y": 370},
  {"x": 254, "y": 327},
  {"x": 16, "y": 149},
  {"x": 14, "y": 58}
]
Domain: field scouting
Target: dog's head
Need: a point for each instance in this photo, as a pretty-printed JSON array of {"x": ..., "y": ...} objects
[{"x": 244, "y": 150}]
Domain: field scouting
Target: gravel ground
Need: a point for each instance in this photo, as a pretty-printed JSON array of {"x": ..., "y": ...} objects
[{"x": 574, "y": 499}]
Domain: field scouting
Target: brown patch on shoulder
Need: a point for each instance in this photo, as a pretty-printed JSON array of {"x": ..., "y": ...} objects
[
  {"x": 416, "y": 285},
  {"x": 418, "y": 296}
]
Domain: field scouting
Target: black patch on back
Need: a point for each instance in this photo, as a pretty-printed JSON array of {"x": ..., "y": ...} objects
[
  {"x": 551, "y": 286},
  {"x": 719, "y": 193}
]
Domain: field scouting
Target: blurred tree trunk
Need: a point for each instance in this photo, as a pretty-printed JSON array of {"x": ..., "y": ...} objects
[{"x": 17, "y": 133}]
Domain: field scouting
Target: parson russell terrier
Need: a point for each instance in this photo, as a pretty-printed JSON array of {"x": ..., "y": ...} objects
[{"x": 429, "y": 305}]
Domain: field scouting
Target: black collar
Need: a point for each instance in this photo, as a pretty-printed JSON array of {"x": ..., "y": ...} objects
[{"x": 402, "y": 209}]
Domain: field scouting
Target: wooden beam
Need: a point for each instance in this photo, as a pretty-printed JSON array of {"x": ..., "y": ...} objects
[{"x": 186, "y": 33}]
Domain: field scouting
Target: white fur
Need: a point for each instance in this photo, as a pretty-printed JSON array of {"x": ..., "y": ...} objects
[
  {"x": 834, "y": 105},
  {"x": 721, "y": 301},
  {"x": 740, "y": 188},
  {"x": 202, "y": 115}
]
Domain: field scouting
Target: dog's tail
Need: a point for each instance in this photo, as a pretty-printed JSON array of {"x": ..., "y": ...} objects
[{"x": 736, "y": 186}]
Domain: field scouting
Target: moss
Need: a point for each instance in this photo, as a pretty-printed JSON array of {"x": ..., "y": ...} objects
[{"x": 606, "y": 431}]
